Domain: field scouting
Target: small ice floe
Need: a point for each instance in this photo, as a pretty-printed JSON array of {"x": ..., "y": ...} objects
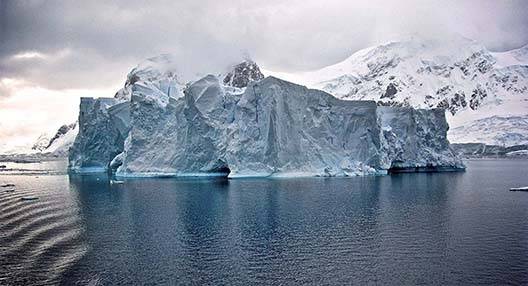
[
  {"x": 519, "y": 189},
  {"x": 29, "y": 198},
  {"x": 113, "y": 182},
  {"x": 7, "y": 185}
]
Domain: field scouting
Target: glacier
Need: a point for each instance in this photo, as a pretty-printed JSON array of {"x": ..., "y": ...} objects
[{"x": 239, "y": 123}]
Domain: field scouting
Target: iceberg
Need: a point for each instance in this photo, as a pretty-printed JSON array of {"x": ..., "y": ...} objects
[{"x": 245, "y": 125}]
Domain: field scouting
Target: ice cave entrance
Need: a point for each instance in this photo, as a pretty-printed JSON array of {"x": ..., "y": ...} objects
[{"x": 221, "y": 169}]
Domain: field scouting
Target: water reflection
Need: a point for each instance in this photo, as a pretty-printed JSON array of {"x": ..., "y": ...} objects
[{"x": 446, "y": 228}]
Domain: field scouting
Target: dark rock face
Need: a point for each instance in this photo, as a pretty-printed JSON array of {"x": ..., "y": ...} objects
[
  {"x": 390, "y": 91},
  {"x": 454, "y": 103},
  {"x": 242, "y": 74},
  {"x": 477, "y": 96},
  {"x": 479, "y": 61}
]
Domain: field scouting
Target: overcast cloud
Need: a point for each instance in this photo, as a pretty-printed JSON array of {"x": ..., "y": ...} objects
[{"x": 67, "y": 46}]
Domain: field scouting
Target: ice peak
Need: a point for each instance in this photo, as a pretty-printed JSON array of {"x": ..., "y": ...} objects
[
  {"x": 161, "y": 73},
  {"x": 154, "y": 68}
]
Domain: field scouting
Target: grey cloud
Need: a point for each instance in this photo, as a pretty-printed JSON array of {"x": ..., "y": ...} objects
[{"x": 107, "y": 38}]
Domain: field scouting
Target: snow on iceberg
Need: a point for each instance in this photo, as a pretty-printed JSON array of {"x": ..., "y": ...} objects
[{"x": 245, "y": 125}]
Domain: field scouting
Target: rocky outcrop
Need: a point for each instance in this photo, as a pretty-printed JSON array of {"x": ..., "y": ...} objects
[{"x": 242, "y": 74}]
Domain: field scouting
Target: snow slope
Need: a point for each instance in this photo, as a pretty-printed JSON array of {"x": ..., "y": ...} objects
[
  {"x": 495, "y": 130},
  {"x": 41, "y": 143}
]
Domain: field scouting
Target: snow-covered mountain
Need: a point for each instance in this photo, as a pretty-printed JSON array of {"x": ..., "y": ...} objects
[
  {"x": 63, "y": 139},
  {"x": 53, "y": 144},
  {"x": 458, "y": 74}
]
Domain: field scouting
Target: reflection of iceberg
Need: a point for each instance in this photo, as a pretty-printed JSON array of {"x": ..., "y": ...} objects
[{"x": 268, "y": 128}]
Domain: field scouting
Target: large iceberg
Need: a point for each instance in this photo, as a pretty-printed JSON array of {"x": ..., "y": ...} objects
[{"x": 243, "y": 124}]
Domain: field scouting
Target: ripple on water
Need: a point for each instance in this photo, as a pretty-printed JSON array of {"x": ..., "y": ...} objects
[
  {"x": 39, "y": 239},
  {"x": 26, "y": 210}
]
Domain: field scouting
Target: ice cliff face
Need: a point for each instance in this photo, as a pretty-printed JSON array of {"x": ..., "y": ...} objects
[
  {"x": 242, "y": 125},
  {"x": 103, "y": 127},
  {"x": 415, "y": 139},
  {"x": 456, "y": 74},
  {"x": 284, "y": 128}
]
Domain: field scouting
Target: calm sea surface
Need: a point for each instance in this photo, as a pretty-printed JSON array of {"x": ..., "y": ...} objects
[{"x": 442, "y": 228}]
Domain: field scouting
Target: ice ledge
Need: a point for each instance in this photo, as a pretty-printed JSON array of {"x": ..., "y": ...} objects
[{"x": 88, "y": 170}]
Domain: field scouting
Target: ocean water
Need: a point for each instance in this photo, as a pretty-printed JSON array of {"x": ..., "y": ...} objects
[{"x": 461, "y": 228}]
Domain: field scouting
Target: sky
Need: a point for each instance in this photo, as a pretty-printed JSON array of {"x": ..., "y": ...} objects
[{"x": 53, "y": 52}]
